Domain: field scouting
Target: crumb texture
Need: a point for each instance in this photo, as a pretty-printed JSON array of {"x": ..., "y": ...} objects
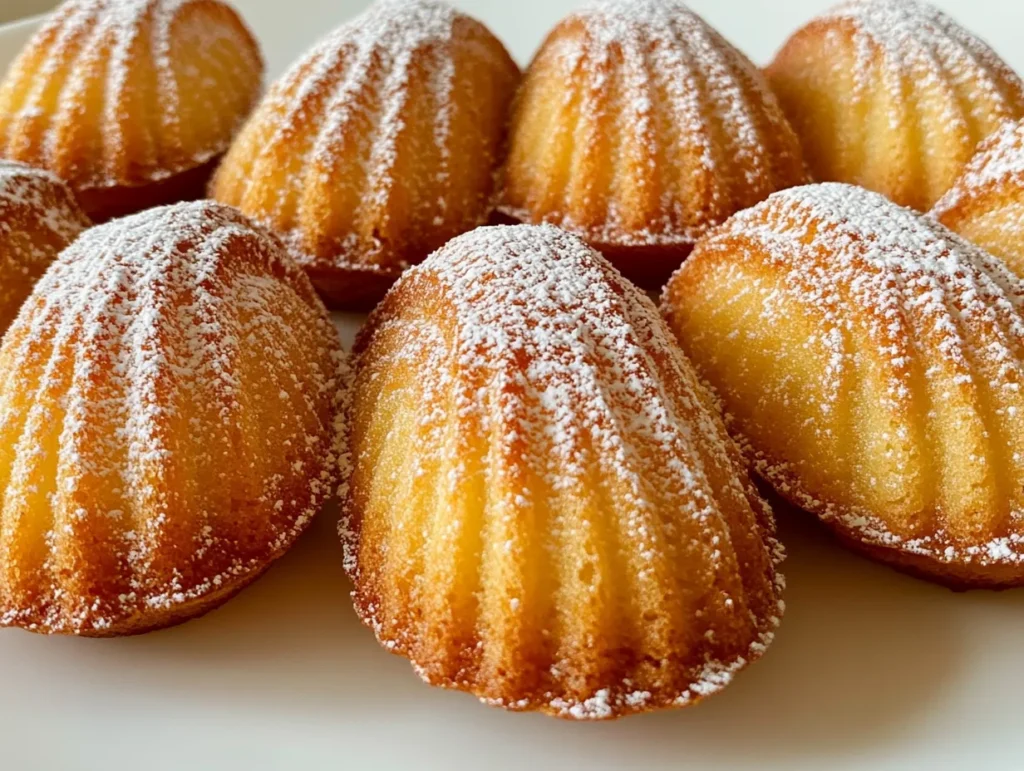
[
  {"x": 167, "y": 421},
  {"x": 545, "y": 509},
  {"x": 870, "y": 361}
]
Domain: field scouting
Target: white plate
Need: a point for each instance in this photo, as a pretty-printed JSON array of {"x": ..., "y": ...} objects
[{"x": 870, "y": 669}]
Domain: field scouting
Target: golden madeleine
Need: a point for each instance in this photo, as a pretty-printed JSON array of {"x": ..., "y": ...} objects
[
  {"x": 130, "y": 101},
  {"x": 168, "y": 423},
  {"x": 638, "y": 127},
  {"x": 545, "y": 509},
  {"x": 870, "y": 361},
  {"x": 892, "y": 95},
  {"x": 377, "y": 146}
]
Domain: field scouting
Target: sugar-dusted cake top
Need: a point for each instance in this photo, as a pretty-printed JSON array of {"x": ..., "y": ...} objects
[
  {"x": 378, "y": 145},
  {"x": 841, "y": 243},
  {"x": 542, "y": 402},
  {"x": 998, "y": 160},
  {"x": 181, "y": 372},
  {"x": 148, "y": 89},
  {"x": 915, "y": 35}
]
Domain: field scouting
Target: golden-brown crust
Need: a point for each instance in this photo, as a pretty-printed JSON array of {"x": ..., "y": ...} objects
[
  {"x": 893, "y": 96},
  {"x": 926, "y": 560},
  {"x": 958, "y": 575},
  {"x": 638, "y": 127},
  {"x": 107, "y": 203},
  {"x": 517, "y": 520},
  {"x": 38, "y": 218},
  {"x": 824, "y": 318},
  {"x": 149, "y": 92},
  {"x": 378, "y": 146},
  {"x": 986, "y": 204},
  {"x": 181, "y": 376},
  {"x": 145, "y": 621}
]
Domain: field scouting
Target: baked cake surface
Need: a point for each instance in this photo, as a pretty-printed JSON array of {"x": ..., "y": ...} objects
[
  {"x": 870, "y": 361},
  {"x": 545, "y": 509},
  {"x": 639, "y": 127},
  {"x": 892, "y": 95},
  {"x": 168, "y": 422},
  {"x": 377, "y": 146}
]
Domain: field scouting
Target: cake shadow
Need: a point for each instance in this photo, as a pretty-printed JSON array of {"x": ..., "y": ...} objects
[
  {"x": 290, "y": 639},
  {"x": 862, "y": 654}
]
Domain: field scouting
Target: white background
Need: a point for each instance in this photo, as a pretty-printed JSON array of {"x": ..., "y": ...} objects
[{"x": 870, "y": 669}]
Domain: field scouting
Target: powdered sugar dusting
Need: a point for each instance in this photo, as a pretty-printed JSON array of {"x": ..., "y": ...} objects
[
  {"x": 397, "y": 31},
  {"x": 114, "y": 37},
  {"x": 690, "y": 48},
  {"x": 999, "y": 161},
  {"x": 131, "y": 392},
  {"x": 694, "y": 123},
  {"x": 354, "y": 106},
  {"x": 920, "y": 42},
  {"x": 569, "y": 369},
  {"x": 28, "y": 192},
  {"x": 38, "y": 218},
  {"x": 903, "y": 286}
]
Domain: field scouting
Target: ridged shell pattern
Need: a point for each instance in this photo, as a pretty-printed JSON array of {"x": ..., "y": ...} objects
[
  {"x": 639, "y": 125},
  {"x": 871, "y": 362},
  {"x": 380, "y": 144},
  {"x": 167, "y": 422},
  {"x": 892, "y": 95},
  {"x": 545, "y": 509},
  {"x": 129, "y": 92},
  {"x": 986, "y": 205},
  {"x": 38, "y": 218}
]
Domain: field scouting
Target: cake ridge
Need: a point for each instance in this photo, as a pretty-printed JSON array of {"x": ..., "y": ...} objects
[
  {"x": 534, "y": 343},
  {"x": 661, "y": 130},
  {"x": 984, "y": 204},
  {"x": 680, "y": 40},
  {"x": 862, "y": 229},
  {"x": 897, "y": 310},
  {"x": 998, "y": 160},
  {"x": 404, "y": 105},
  {"x": 910, "y": 32},
  {"x": 389, "y": 30},
  {"x": 892, "y": 95},
  {"x": 127, "y": 358},
  {"x": 86, "y": 40}
]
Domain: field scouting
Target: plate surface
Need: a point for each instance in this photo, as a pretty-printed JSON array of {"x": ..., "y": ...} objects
[{"x": 869, "y": 670}]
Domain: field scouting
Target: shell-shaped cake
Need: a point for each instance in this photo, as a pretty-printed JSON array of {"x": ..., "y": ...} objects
[
  {"x": 38, "y": 218},
  {"x": 870, "y": 362},
  {"x": 378, "y": 146},
  {"x": 638, "y": 127},
  {"x": 545, "y": 509},
  {"x": 168, "y": 422},
  {"x": 986, "y": 204},
  {"x": 131, "y": 101},
  {"x": 892, "y": 95}
]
